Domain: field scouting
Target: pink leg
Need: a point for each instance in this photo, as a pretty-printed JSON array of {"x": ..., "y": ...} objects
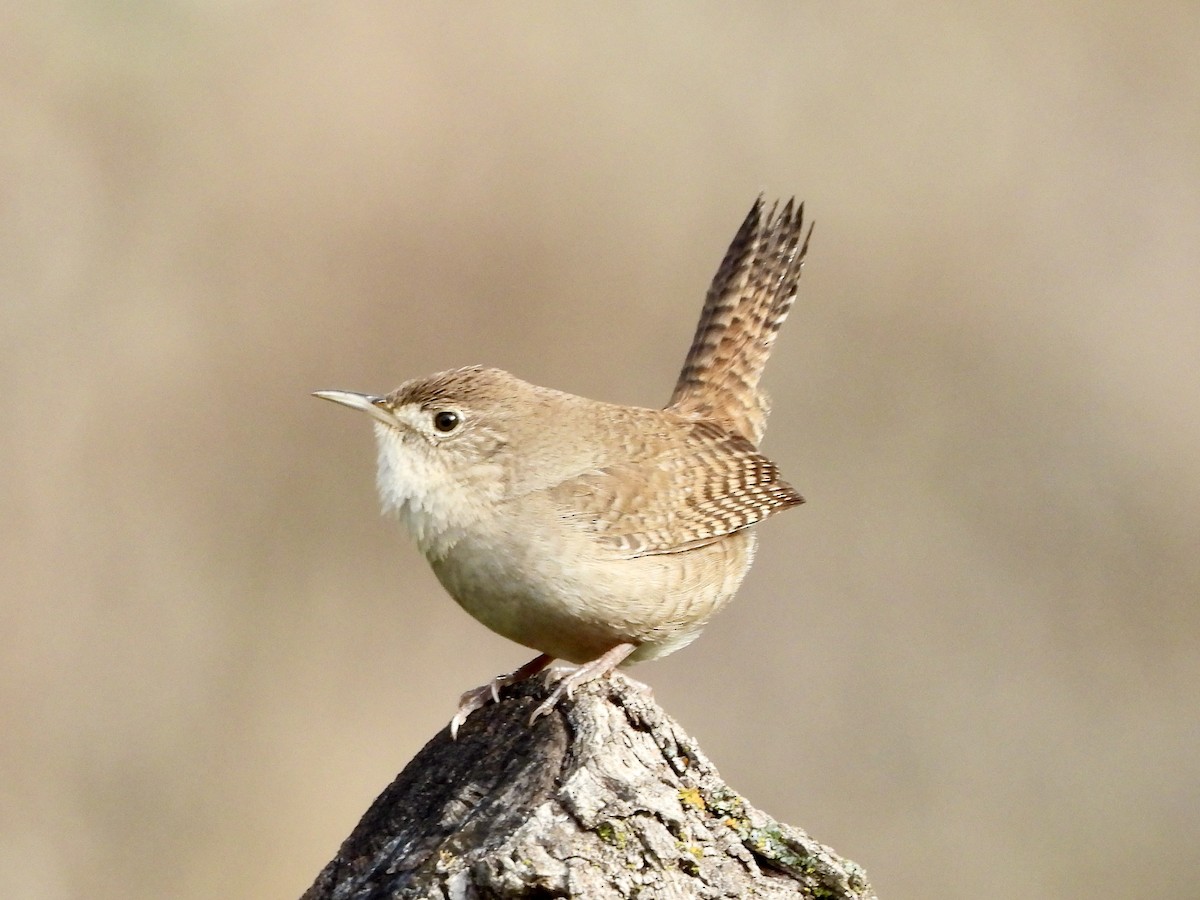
[
  {"x": 597, "y": 668},
  {"x": 478, "y": 697}
]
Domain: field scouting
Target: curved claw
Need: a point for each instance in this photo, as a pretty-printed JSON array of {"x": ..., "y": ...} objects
[
  {"x": 474, "y": 699},
  {"x": 597, "y": 668},
  {"x": 477, "y": 698}
]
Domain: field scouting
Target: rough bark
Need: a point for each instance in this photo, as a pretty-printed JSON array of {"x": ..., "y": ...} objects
[{"x": 607, "y": 797}]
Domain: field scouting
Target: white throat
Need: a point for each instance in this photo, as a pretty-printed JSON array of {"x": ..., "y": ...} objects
[{"x": 433, "y": 507}]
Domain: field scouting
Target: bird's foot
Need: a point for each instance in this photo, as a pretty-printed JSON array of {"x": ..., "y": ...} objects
[
  {"x": 490, "y": 693},
  {"x": 590, "y": 671}
]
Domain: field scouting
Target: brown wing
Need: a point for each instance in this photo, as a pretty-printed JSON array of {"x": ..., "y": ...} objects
[
  {"x": 750, "y": 297},
  {"x": 711, "y": 485}
]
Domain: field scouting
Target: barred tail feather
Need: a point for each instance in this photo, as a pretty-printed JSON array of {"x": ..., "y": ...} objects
[{"x": 747, "y": 303}]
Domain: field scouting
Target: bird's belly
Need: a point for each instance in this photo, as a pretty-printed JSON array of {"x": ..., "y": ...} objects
[{"x": 573, "y": 603}]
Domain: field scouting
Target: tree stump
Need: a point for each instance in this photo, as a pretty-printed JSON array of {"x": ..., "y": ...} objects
[{"x": 606, "y": 797}]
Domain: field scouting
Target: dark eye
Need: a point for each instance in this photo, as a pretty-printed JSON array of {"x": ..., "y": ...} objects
[{"x": 446, "y": 421}]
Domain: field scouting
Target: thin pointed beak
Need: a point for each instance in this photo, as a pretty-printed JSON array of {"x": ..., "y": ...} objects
[{"x": 375, "y": 407}]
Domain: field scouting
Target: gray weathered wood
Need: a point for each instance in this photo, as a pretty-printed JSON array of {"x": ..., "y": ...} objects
[{"x": 607, "y": 797}]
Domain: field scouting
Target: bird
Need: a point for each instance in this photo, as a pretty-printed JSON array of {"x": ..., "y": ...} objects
[{"x": 596, "y": 533}]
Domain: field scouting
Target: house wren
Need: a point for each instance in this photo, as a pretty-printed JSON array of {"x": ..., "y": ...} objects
[{"x": 591, "y": 532}]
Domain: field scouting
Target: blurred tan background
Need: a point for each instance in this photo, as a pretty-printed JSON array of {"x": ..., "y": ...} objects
[{"x": 970, "y": 662}]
